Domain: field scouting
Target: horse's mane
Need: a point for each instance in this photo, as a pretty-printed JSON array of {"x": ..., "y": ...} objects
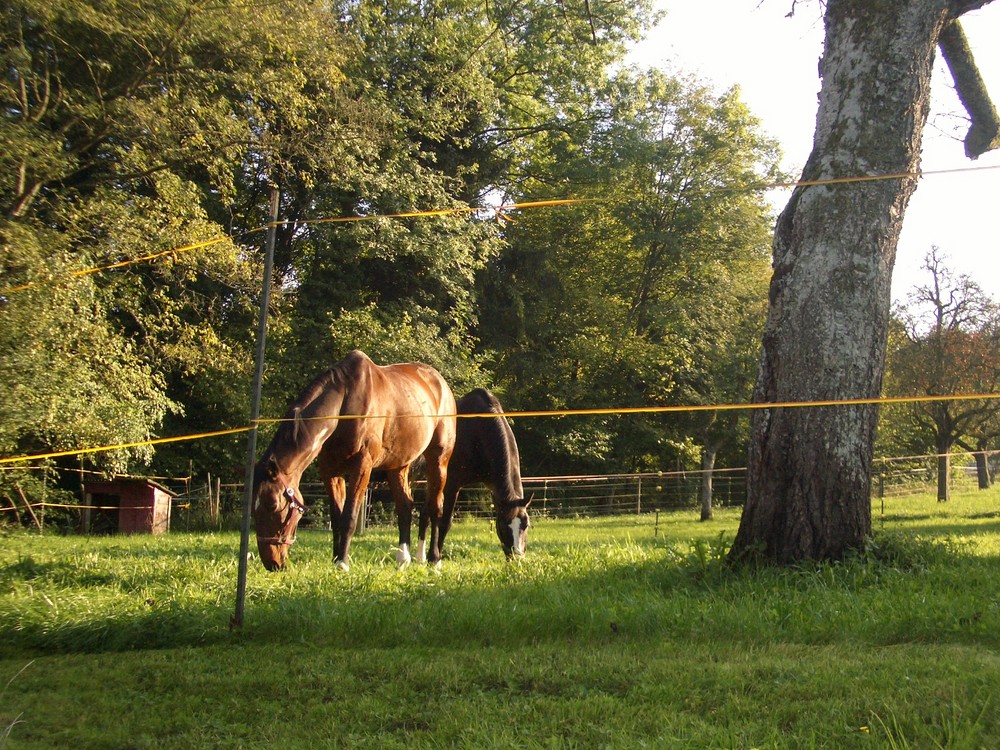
[
  {"x": 291, "y": 424},
  {"x": 495, "y": 433}
]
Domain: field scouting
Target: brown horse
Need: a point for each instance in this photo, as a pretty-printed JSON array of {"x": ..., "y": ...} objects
[
  {"x": 485, "y": 451},
  {"x": 356, "y": 417}
]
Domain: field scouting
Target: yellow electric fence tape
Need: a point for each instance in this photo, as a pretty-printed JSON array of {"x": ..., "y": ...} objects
[
  {"x": 498, "y": 210},
  {"x": 539, "y": 413},
  {"x": 120, "y": 264}
]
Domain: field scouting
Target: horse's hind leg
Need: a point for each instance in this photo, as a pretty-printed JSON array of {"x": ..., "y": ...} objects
[{"x": 399, "y": 486}]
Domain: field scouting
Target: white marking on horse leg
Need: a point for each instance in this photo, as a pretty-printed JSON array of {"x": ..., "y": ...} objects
[
  {"x": 421, "y": 552},
  {"x": 341, "y": 565},
  {"x": 403, "y": 555}
]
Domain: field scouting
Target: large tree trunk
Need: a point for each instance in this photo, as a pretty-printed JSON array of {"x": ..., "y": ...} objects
[
  {"x": 809, "y": 468},
  {"x": 983, "y": 469}
]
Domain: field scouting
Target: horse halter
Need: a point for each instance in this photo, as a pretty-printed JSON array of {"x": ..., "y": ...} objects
[{"x": 294, "y": 504}]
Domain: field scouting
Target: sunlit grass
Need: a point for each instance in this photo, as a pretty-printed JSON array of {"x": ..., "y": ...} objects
[{"x": 613, "y": 632}]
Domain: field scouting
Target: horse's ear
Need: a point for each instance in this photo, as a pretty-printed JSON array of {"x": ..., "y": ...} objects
[
  {"x": 272, "y": 468},
  {"x": 525, "y": 503}
]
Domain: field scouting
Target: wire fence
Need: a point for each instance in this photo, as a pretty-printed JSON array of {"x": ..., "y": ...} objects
[
  {"x": 212, "y": 504},
  {"x": 580, "y": 496}
]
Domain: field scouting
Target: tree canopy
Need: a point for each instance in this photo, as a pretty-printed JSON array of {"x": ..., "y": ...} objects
[
  {"x": 947, "y": 343},
  {"x": 142, "y": 139}
]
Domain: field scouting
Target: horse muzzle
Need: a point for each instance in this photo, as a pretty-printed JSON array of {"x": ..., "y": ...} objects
[{"x": 273, "y": 552}]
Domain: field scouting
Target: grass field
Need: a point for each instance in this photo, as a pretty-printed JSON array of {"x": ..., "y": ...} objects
[{"x": 617, "y": 632}]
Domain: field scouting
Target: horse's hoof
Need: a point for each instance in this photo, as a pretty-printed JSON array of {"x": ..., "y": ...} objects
[
  {"x": 436, "y": 567},
  {"x": 403, "y": 558},
  {"x": 341, "y": 565},
  {"x": 421, "y": 552}
]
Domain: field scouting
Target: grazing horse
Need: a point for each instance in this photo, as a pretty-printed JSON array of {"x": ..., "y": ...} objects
[
  {"x": 356, "y": 417},
  {"x": 485, "y": 451}
]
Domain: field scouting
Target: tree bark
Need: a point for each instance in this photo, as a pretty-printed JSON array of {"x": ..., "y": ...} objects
[
  {"x": 983, "y": 470},
  {"x": 943, "y": 471},
  {"x": 809, "y": 467}
]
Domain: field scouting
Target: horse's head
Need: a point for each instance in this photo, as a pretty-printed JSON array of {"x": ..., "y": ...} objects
[
  {"x": 277, "y": 509},
  {"x": 512, "y": 527}
]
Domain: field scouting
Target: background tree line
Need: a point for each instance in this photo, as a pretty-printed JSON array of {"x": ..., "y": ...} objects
[{"x": 131, "y": 128}]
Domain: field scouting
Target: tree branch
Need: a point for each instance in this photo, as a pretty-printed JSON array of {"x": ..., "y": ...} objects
[
  {"x": 984, "y": 134},
  {"x": 960, "y": 7}
]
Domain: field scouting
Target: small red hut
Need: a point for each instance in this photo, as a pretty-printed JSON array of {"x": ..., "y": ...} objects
[{"x": 126, "y": 505}]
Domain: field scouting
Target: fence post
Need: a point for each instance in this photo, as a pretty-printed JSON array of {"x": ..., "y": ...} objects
[
  {"x": 218, "y": 501},
  {"x": 236, "y": 621},
  {"x": 363, "y": 511},
  {"x": 638, "y": 498}
]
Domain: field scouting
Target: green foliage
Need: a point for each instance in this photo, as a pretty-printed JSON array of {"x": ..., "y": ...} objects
[
  {"x": 654, "y": 293},
  {"x": 134, "y": 129},
  {"x": 129, "y": 129},
  {"x": 66, "y": 378},
  {"x": 945, "y": 341}
]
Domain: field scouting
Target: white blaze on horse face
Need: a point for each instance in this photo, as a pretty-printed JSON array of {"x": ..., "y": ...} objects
[{"x": 515, "y": 530}]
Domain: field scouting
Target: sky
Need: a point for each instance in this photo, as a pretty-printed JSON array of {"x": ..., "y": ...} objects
[{"x": 773, "y": 58}]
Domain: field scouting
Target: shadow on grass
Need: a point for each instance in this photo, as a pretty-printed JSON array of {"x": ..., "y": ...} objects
[
  {"x": 904, "y": 591},
  {"x": 950, "y": 528}
]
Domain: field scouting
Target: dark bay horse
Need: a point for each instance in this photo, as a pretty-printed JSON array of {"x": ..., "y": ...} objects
[
  {"x": 356, "y": 417},
  {"x": 485, "y": 451}
]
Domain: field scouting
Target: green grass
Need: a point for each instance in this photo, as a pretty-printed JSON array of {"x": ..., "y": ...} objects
[{"x": 615, "y": 632}]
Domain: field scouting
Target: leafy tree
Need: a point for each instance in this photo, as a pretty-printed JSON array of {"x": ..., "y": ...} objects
[
  {"x": 128, "y": 129},
  {"x": 949, "y": 347},
  {"x": 619, "y": 301},
  {"x": 134, "y": 128},
  {"x": 456, "y": 94}
]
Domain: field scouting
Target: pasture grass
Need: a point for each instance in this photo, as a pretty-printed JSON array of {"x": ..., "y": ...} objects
[{"x": 614, "y": 632}]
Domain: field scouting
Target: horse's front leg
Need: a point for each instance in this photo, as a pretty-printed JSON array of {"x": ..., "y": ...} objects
[
  {"x": 451, "y": 489},
  {"x": 336, "y": 491},
  {"x": 357, "y": 483},
  {"x": 437, "y": 473},
  {"x": 421, "y": 551},
  {"x": 399, "y": 486}
]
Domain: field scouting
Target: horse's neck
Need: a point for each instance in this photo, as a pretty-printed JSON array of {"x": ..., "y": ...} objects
[
  {"x": 509, "y": 487},
  {"x": 507, "y": 467},
  {"x": 305, "y": 431},
  {"x": 508, "y": 491}
]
